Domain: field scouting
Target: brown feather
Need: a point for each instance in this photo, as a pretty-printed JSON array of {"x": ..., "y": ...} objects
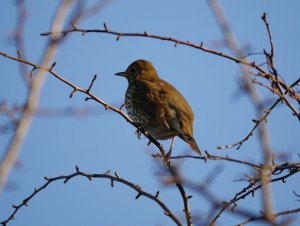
[
  {"x": 157, "y": 105},
  {"x": 194, "y": 146}
]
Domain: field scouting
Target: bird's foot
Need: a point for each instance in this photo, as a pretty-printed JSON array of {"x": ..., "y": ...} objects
[{"x": 139, "y": 131}]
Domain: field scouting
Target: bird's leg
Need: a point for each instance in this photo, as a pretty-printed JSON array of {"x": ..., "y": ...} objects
[
  {"x": 139, "y": 132},
  {"x": 171, "y": 147}
]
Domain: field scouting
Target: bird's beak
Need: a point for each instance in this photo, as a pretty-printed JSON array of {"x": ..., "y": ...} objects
[{"x": 121, "y": 74}]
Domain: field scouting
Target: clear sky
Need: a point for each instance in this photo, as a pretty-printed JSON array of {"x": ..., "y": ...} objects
[{"x": 103, "y": 140}]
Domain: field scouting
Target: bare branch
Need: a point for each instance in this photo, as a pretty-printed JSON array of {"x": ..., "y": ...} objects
[
  {"x": 273, "y": 216},
  {"x": 92, "y": 96},
  {"x": 270, "y": 56},
  {"x": 238, "y": 144},
  {"x": 240, "y": 59},
  {"x": 215, "y": 158},
  {"x": 78, "y": 173},
  {"x": 251, "y": 189}
]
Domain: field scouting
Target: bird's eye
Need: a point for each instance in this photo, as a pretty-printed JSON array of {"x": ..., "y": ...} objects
[{"x": 132, "y": 70}]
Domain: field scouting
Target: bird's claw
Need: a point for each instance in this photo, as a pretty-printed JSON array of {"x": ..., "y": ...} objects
[{"x": 138, "y": 132}]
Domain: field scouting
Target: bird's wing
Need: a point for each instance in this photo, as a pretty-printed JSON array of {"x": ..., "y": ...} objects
[
  {"x": 148, "y": 93},
  {"x": 179, "y": 111}
]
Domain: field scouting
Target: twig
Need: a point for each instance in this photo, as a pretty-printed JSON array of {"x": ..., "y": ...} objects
[
  {"x": 257, "y": 122},
  {"x": 66, "y": 178},
  {"x": 282, "y": 97},
  {"x": 217, "y": 158},
  {"x": 273, "y": 216},
  {"x": 127, "y": 118},
  {"x": 262, "y": 72},
  {"x": 270, "y": 56},
  {"x": 160, "y": 37},
  {"x": 92, "y": 83},
  {"x": 250, "y": 190}
]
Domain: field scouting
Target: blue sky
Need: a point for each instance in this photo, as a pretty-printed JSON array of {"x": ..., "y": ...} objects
[{"x": 103, "y": 140}]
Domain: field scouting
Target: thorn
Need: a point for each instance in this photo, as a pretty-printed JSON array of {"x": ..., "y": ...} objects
[
  {"x": 207, "y": 153},
  {"x": 138, "y": 195},
  {"x": 157, "y": 194},
  {"x": 31, "y": 72},
  {"x": 117, "y": 175},
  {"x": 107, "y": 172},
  {"x": 264, "y": 16},
  {"x": 19, "y": 55},
  {"x": 73, "y": 92},
  {"x": 45, "y": 33},
  {"x": 25, "y": 202},
  {"x": 77, "y": 169},
  {"x": 118, "y": 38},
  {"x": 46, "y": 178},
  {"x": 120, "y": 108},
  {"x": 88, "y": 98},
  {"x": 112, "y": 183},
  {"x": 92, "y": 83},
  {"x": 52, "y": 66},
  {"x": 105, "y": 27}
]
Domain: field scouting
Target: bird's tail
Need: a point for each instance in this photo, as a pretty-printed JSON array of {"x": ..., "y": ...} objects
[{"x": 194, "y": 145}]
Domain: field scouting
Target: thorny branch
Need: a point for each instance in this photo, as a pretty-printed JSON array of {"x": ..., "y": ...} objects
[
  {"x": 106, "y": 175},
  {"x": 270, "y": 56},
  {"x": 275, "y": 169},
  {"x": 251, "y": 189},
  {"x": 273, "y": 216},
  {"x": 261, "y": 72},
  {"x": 107, "y": 106},
  {"x": 257, "y": 122},
  {"x": 278, "y": 86},
  {"x": 273, "y": 79}
]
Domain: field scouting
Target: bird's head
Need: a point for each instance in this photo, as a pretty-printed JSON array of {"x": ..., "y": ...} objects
[{"x": 139, "y": 70}]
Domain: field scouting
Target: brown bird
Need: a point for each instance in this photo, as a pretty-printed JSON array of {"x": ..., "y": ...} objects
[{"x": 157, "y": 106}]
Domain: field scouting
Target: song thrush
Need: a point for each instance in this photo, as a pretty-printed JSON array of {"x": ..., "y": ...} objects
[{"x": 156, "y": 105}]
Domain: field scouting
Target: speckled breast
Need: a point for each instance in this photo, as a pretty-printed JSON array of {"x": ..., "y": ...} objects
[{"x": 134, "y": 107}]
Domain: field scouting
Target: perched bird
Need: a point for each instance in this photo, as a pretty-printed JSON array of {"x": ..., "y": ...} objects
[{"x": 157, "y": 106}]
